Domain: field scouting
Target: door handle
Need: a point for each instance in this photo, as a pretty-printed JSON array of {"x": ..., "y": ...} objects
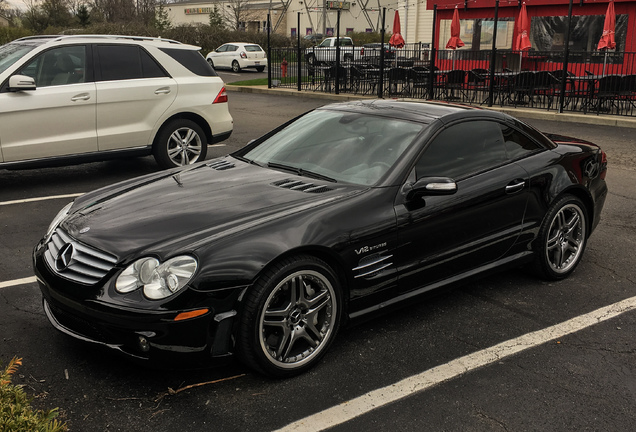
[
  {"x": 515, "y": 186},
  {"x": 163, "y": 90},
  {"x": 81, "y": 97}
]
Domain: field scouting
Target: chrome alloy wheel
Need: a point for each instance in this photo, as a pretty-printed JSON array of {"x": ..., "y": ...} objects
[
  {"x": 297, "y": 319},
  {"x": 184, "y": 146},
  {"x": 566, "y": 237}
]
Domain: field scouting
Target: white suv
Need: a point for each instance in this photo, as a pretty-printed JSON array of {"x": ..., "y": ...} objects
[{"x": 94, "y": 97}]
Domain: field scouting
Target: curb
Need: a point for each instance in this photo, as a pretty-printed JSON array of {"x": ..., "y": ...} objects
[{"x": 600, "y": 120}]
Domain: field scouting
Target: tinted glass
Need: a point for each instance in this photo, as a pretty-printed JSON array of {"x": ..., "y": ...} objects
[
  {"x": 358, "y": 148},
  {"x": 119, "y": 62},
  {"x": 191, "y": 60},
  {"x": 150, "y": 67},
  {"x": 463, "y": 149},
  {"x": 517, "y": 144},
  {"x": 58, "y": 66},
  {"x": 251, "y": 48}
]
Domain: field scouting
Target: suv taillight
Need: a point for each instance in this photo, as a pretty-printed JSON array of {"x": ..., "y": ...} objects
[{"x": 221, "y": 97}]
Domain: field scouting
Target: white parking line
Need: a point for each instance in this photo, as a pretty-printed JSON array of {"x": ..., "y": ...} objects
[
  {"x": 18, "y": 282},
  {"x": 407, "y": 387},
  {"x": 28, "y": 200}
]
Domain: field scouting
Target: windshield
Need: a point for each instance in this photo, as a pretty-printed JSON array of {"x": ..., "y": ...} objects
[
  {"x": 11, "y": 53},
  {"x": 346, "y": 147}
]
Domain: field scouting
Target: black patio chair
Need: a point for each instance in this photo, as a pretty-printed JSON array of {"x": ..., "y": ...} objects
[
  {"x": 477, "y": 83},
  {"x": 628, "y": 92},
  {"x": 607, "y": 94},
  {"x": 523, "y": 89},
  {"x": 455, "y": 81},
  {"x": 397, "y": 80}
]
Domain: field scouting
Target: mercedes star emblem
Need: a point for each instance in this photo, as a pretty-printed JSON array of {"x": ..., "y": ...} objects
[{"x": 64, "y": 258}]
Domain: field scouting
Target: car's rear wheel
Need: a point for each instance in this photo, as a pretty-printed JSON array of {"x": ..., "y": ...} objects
[
  {"x": 562, "y": 238},
  {"x": 260, "y": 69},
  {"x": 180, "y": 142},
  {"x": 290, "y": 318},
  {"x": 311, "y": 59},
  {"x": 236, "y": 67}
]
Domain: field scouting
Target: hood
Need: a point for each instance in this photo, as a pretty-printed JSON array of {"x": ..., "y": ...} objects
[{"x": 186, "y": 206}]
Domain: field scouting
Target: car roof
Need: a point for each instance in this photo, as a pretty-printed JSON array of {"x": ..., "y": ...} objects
[
  {"x": 55, "y": 39},
  {"x": 423, "y": 112}
]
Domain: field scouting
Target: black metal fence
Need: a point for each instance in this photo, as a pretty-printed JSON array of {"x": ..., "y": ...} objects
[{"x": 586, "y": 82}]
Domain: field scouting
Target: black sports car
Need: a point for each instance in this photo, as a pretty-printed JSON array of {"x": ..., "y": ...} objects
[{"x": 344, "y": 211}]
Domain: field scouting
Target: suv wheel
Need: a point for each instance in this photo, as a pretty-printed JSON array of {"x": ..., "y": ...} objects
[{"x": 180, "y": 142}]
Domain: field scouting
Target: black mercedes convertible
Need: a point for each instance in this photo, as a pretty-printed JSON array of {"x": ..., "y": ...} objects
[{"x": 345, "y": 211}]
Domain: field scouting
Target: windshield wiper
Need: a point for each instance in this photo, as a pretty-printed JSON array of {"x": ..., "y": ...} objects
[
  {"x": 249, "y": 161},
  {"x": 301, "y": 172}
]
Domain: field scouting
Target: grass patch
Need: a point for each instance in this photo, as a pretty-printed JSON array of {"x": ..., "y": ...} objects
[
  {"x": 16, "y": 414},
  {"x": 254, "y": 82}
]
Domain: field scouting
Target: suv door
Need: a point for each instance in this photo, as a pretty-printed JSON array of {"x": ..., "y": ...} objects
[
  {"x": 133, "y": 92},
  {"x": 56, "y": 119},
  {"x": 447, "y": 235}
]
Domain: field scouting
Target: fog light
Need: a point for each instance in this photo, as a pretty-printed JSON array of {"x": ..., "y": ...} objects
[{"x": 144, "y": 345}]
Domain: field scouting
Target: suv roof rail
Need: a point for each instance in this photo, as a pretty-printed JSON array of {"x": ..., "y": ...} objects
[{"x": 101, "y": 36}]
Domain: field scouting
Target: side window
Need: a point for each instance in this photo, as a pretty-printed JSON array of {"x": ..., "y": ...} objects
[
  {"x": 122, "y": 62},
  {"x": 517, "y": 144},
  {"x": 232, "y": 48},
  {"x": 222, "y": 48},
  {"x": 58, "y": 66},
  {"x": 463, "y": 149}
]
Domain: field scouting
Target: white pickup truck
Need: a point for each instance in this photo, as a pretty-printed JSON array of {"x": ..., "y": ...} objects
[{"x": 326, "y": 51}]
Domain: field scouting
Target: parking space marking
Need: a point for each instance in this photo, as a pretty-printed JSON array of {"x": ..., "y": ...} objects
[
  {"x": 368, "y": 402},
  {"x": 28, "y": 200},
  {"x": 15, "y": 282}
]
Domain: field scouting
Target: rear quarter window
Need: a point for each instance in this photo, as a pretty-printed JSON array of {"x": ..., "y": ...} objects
[{"x": 191, "y": 60}]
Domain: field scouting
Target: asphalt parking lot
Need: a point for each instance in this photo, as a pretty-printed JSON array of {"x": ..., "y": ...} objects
[{"x": 466, "y": 354}]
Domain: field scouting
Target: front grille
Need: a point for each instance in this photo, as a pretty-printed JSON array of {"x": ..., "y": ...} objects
[
  {"x": 298, "y": 185},
  {"x": 78, "y": 262}
]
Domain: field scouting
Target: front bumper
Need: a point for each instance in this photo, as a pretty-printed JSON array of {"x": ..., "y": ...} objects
[{"x": 139, "y": 333}]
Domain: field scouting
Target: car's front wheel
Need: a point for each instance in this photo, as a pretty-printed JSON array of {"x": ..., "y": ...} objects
[
  {"x": 210, "y": 62},
  {"x": 236, "y": 67},
  {"x": 180, "y": 142},
  {"x": 290, "y": 317},
  {"x": 562, "y": 238}
]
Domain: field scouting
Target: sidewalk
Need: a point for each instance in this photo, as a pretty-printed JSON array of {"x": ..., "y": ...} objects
[{"x": 590, "y": 119}]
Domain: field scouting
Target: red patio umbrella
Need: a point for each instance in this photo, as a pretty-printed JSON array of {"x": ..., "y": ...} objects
[
  {"x": 607, "y": 39},
  {"x": 455, "y": 42},
  {"x": 396, "y": 40},
  {"x": 522, "y": 42}
]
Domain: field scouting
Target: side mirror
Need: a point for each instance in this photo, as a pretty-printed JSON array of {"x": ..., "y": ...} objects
[
  {"x": 21, "y": 82},
  {"x": 429, "y": 186}
]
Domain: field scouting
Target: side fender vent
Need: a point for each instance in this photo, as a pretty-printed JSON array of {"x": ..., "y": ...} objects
[
  {"x": 221, "y": 165},
  {"x": 371, "y": 265},
  {"x": 299, "y": 185}
]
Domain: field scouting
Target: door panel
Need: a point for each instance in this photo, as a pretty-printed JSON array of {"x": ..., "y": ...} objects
[
  {"x": 453, "y": 234},
  {"x": 127, "y": 110}
]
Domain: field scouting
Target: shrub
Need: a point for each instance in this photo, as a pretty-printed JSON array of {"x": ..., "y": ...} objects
[{"x": 16, "y": 414}]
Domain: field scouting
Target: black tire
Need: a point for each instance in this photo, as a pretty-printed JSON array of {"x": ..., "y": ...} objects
[
  {"x": 348, "y": 57},
  {"x": 260, "y": 69},
  {"x": 290, "y": 317},
  {"x": 210, "y": 62},
  {"x": 236, "y": 67},
  {"x": 180, "y": 142},
  {"x": 562, "y": 238},
  {"x": 311, "y": 59}
]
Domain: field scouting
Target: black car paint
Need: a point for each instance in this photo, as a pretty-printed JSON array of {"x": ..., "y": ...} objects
[{"x": 238, "y": 227}]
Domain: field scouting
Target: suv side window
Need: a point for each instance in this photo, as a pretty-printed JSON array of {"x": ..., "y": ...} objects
[
  {"x": 58, "y": 66},
  {"x": 123, "y": 62},
  {"x": 191, "y": 60},
  {"x": 463, "y": 149}
]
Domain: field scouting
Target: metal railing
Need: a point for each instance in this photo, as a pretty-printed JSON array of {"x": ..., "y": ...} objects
[{"x": 588, "y": 82}]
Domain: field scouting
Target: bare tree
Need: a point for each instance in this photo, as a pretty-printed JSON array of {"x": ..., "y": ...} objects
[{"x": 236, "y": 12}]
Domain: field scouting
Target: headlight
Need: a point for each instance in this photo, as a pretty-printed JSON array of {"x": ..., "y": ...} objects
[
  {"x": 158, "y": 280},
  {"x": 57, "y": 220}
]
